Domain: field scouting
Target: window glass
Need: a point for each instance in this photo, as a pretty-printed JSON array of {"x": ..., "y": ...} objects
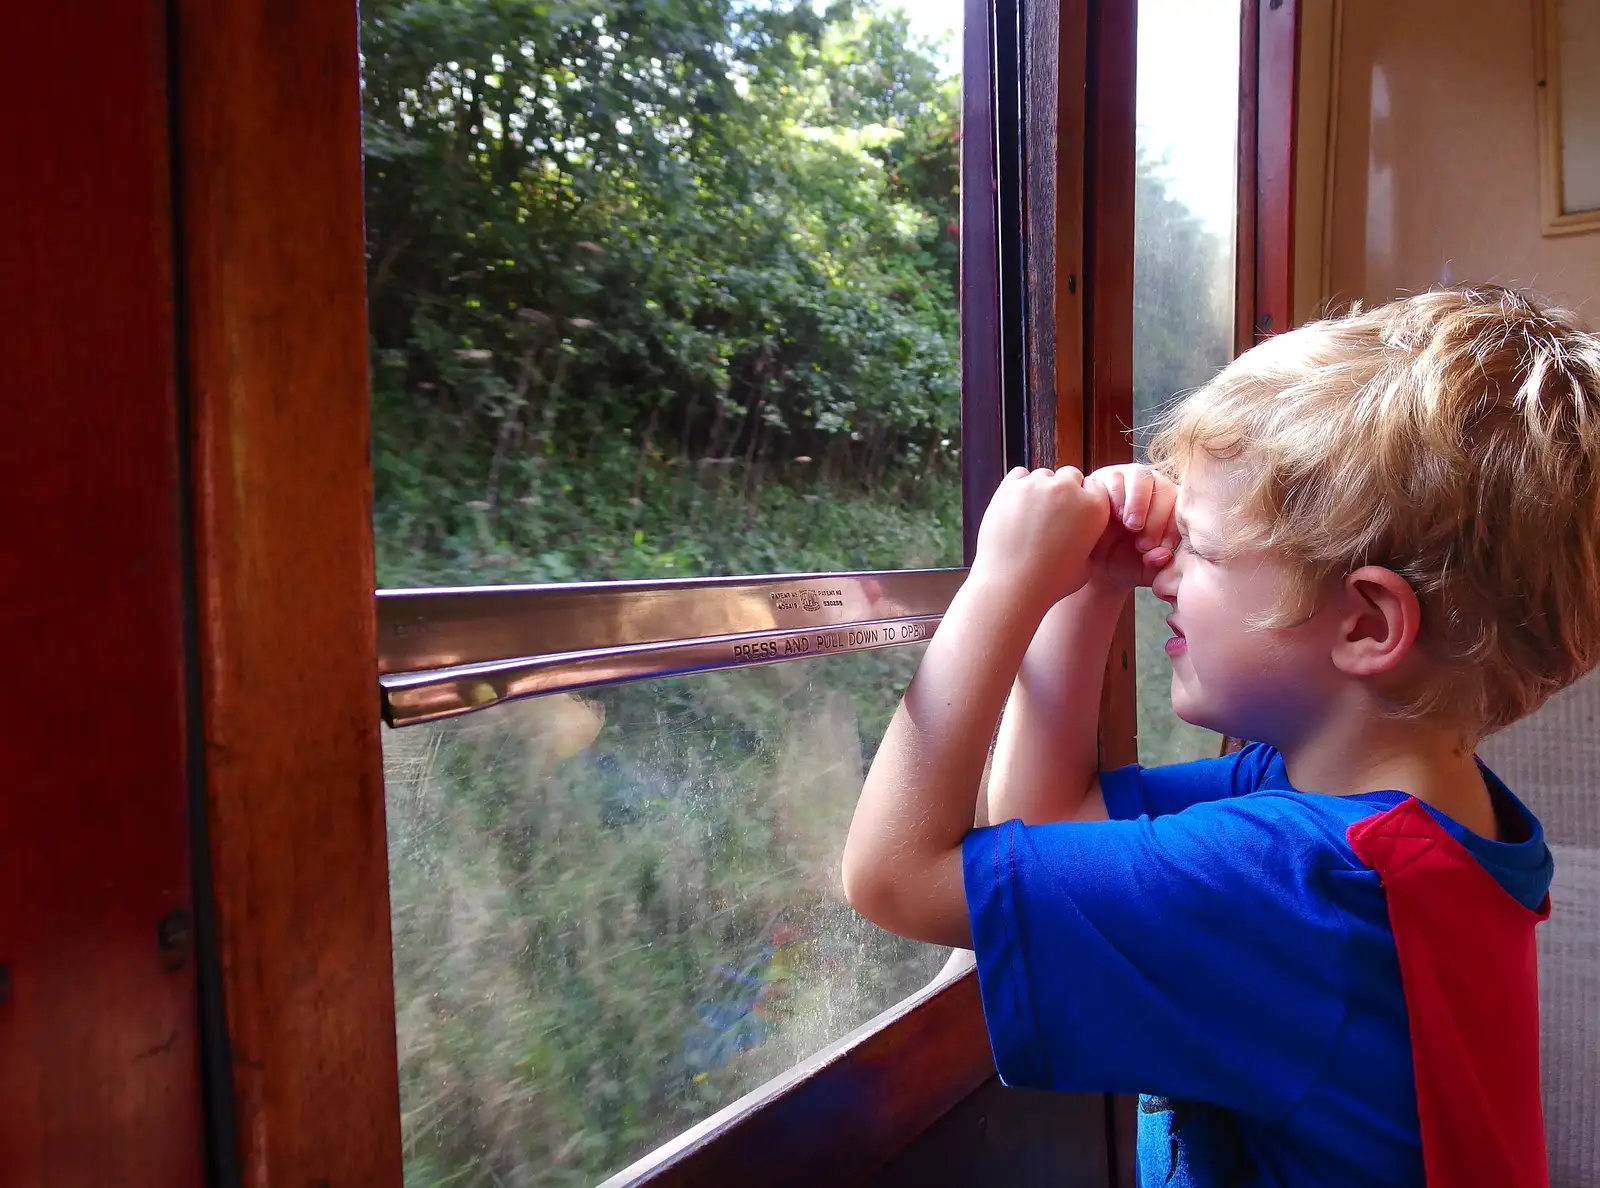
[
  {"x": 616, "y": 913},
  {"x": 1184, "y": 217},
  {"x": 661, "y": 290}
]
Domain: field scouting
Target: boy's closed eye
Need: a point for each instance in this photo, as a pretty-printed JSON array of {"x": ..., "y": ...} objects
[{"x": 1188, "y": 547}]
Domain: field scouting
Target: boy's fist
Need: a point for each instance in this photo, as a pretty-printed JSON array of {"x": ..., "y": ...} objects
[
  {"x": 1039, "y": 530},
  {"x": 1140, "y": 535}
]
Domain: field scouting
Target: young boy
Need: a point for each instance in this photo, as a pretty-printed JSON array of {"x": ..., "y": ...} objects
[{"x": 1380, "y": 539}]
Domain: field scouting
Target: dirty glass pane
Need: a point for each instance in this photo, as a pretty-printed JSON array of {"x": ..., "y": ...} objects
[
  {"x": 1184, "y": 212},
  {"x": 661, "y": 289},
  {"x": 615, "y": 913}
]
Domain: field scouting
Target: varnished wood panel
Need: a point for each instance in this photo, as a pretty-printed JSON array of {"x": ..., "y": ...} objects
[
  {"x": 1277, "y": 52},
  {"x": 275, "y": 323},
  {"x": 982, "y": 424},
  {"x": 1053, "y": 50},
  {"x": 1264, "y": 247},
  {"x": 1070, "y": 52},
  {"x": 1244, "y": 244},
  {"x": 1108, "y": 306},
  {"x": 99, "y": 1067},
  {"x": 1110, "y": 149}
]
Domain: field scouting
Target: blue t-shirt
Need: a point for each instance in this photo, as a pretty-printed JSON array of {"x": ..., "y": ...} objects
[{"x": 1219, "y": 948}]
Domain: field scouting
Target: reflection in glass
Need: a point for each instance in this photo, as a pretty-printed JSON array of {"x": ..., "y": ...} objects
[
  {"x": 614, "y": 914},
  {"x": 1183, "y": 269},
  {"x": 661, "y": 290}
]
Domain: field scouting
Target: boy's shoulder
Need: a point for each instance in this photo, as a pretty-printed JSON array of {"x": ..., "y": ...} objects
[
  {"x": 1249, "y": 811},
  {"x": 1248, "y": 789}
]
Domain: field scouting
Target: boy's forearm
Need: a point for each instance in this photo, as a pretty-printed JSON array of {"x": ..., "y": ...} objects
[
  {"x": 920, "y": 793},
  {"x": 1047, "y": 753}
]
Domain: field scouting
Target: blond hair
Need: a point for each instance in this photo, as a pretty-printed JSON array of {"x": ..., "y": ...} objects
[{"x": 1453, "y": 437}]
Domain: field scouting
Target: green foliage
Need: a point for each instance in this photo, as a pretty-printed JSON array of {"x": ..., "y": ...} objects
[
  {"x": 615, "y": 515},
  {"x": 615, "y": 236}
]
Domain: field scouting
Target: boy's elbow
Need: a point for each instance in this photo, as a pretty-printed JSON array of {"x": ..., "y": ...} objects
[
  {"x": 869, "y": 887},
  {"x": 862, "y": 891},
  {"x": 907, "y": 901}
]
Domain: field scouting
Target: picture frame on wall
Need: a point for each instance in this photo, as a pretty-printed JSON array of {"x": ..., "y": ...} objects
[{"x": 1568, "y": 36}]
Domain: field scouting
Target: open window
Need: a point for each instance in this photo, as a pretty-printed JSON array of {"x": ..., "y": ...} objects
[
  {"x": 661, "y": 305},
  {"x": 666, "y": 310}
]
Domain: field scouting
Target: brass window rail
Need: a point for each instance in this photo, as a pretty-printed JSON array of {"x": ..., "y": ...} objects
[{"x": 444, "y": 652}]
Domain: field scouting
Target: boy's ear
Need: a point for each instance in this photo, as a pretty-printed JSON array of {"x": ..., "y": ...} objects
[{"x": 1379, "y": 622}]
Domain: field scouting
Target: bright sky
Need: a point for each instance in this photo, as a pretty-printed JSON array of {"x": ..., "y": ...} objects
[{"x": 1187, "y": 92}]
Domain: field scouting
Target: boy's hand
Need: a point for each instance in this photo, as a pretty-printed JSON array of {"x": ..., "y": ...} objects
[
  {"x": 1140, "y": 535},
  {"x": 1038, "y": 532}
]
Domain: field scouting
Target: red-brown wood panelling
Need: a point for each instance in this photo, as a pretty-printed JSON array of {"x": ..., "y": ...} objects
[
  {"x": 1108, "y": 305},
  {"x": 1276, "y": 54},
  {"x": 1244, "y": 244},
  {"x": 99, "y": 1067},
  {"x": 982, "y": 428},
  {"x": 1109, "y": 156},
  {"x": 1071, "y": 53},
  {"x": 275, "y": 319}
]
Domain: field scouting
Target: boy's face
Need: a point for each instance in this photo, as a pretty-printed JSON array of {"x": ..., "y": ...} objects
[{"x": 1228, "y": 675}]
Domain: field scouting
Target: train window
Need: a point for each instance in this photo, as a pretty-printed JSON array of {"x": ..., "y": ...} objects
[
  {"x": 662, "y": 291},
  {"x": 1185, "y": 204},
  {"x": 655, "y": 302},
  {"x": 617, "y": 912}
]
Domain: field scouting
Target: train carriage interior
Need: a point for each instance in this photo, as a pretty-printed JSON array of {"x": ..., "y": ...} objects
[{"x": 482, "y": 472}]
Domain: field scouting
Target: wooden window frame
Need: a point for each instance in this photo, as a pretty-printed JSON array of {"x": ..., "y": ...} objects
[
  {"x": 273, "y": 307},
  {"x": 293, "y": 779},
  {"x": 1554, "y": 218},
  {"x": 293, "y": 775},
  {"x": 986, "y": 427},
  {"x": 1268, "y": 113}
]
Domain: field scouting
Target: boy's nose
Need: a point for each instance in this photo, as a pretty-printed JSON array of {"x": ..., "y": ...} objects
[{"x": 1165, "y": 585}]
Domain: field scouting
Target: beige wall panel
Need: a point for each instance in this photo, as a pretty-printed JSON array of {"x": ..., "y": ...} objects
[{"x": 1435, "y": 156}]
